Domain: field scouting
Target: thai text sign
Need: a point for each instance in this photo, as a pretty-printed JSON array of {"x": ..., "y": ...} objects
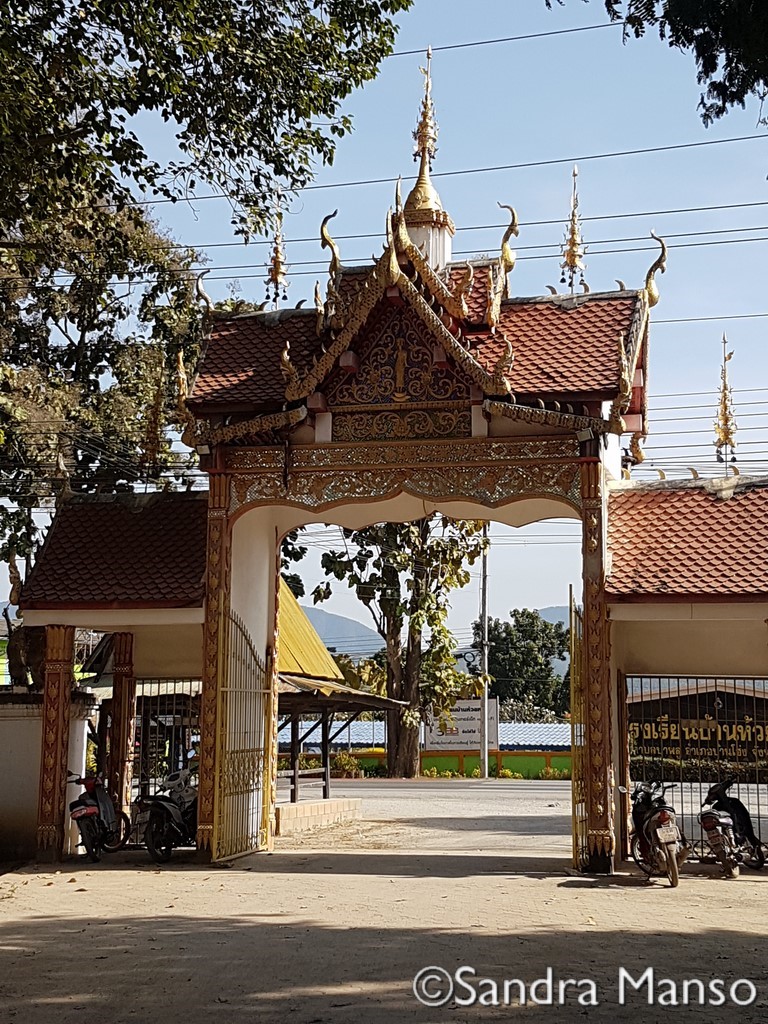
[{"x": 464, "y": 732}]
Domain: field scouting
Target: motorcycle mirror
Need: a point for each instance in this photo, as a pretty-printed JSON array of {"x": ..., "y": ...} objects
[{"x": 623, "y": 789}]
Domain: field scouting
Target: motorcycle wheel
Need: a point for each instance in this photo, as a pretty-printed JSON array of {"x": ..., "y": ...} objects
[
  {"x": 90, "y": 837},
  {"x": 673, "y": 872},
  {"x": 158, "y": 836},
  {"x": 754, "y": 857},
  {"x": 637, "y": 856},
  {"x": 727, "y": 862},
  {"x": 117, "y": 840}
]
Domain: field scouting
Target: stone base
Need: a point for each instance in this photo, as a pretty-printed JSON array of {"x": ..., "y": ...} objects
[{"x": 300, "y": 817}]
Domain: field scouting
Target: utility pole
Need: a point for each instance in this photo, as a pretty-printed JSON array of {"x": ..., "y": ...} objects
[{"x": 484, "y": 662}]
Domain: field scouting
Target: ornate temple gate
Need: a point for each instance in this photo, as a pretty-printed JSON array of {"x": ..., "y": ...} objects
[{"x": 257, "y": 489}]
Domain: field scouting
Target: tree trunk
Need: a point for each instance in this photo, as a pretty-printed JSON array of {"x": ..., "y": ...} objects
[{"x": 403, "y": 760}]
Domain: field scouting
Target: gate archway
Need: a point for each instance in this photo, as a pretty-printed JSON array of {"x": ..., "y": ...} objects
[{"x": 417, "y": 384}]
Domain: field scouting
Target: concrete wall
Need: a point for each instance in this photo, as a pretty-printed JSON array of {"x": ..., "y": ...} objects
[
  {"x": 691, "y": 647},
  {"x": 20, "y": 731},
  {"x": 174, "y": 650}
]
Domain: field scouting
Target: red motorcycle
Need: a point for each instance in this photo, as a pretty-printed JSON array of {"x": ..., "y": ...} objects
[{"x": 101, "y": 827}]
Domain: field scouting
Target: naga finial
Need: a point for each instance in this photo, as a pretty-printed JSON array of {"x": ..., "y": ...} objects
[
  {"x": 573, "y": 245},
  {"x": 399, "y": 196},
  {"x": 319, "y": 309},
  {"x": 502, "y": 367},
  {"x": 201, "y": 293},
  {"x": 659, "y": 264},
  {"x": 288, "y": 369},
  {"x": 328, "y": 243},
  {"x": 463, "y": 288},
  {"x": 508, "y": 257},
  {"x": 390, "y": 251}
]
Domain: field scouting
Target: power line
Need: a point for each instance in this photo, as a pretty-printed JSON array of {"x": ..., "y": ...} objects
[
  {"x": 523, "y": 165},
  {"x": 507, "y": 39}
]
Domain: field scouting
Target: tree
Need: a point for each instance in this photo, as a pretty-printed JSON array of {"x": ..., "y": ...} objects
[
  {"x": 250, "y": 92},
  {"x": 404, "y": 574},
  {"x": 291, "y": 551},
  {"x": 728, "y": 39},
  {"x": 520, "y": 659}
]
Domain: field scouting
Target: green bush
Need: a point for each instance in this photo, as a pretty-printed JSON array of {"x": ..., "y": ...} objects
[
  {"x": 554, "y": 773},
  {"x": 344, "y": 762},
  {"x": 507, "y": 773}
]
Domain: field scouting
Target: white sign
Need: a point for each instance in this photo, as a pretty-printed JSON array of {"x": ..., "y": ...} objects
[{"x": 464, "y": 732}]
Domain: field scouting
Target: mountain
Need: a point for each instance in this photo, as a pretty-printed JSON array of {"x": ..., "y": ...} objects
[
  {"x": 346, "y": 636},
  {"x": 557, "y": 613}
]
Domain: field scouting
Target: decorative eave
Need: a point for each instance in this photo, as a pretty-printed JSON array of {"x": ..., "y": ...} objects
[
  {"x": 256, "y": 425},
  {"x": 629, "y": 354},
  {"x": 546, "y": 417}
]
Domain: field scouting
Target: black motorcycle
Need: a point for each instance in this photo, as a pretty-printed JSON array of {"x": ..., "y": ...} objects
[
  {"x": 172, "y": 819},
  {"x": 747, "y": 843},
  {"x": 656, "y": 842},
  {"x": 101, "y": 828},
  {"x": 721, "y": 839}
]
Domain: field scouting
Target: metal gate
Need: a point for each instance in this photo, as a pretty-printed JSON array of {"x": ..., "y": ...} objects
[
  {"x": 696, "y": 731},
  {"x": 243, "y": 700},
  {"x": 578, "y": 740}
]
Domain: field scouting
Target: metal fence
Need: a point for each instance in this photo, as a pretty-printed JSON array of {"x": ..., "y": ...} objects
[
  {"x": 696, "y": 731},
  {"x": 241, "y": 747}
]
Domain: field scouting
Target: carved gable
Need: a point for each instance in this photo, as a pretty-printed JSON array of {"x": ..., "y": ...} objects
[{"x": 398, "y": 383}]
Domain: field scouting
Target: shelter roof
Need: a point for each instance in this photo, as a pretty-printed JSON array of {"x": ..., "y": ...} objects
[
  {"x": 301, "y": 652},
  {"x": 142, "y": 550},
  {"x": 689, "y": 540}
]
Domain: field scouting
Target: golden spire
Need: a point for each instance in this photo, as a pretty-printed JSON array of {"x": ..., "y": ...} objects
[
  {"x": 725, "y": 424},
  {"x": 423, "y": 196},
  {"x": 277, "y": 279},
  {"x": 573, "y": 246}
]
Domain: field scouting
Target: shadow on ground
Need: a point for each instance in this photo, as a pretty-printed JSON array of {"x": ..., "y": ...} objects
[{"x": 187, "y": 970}]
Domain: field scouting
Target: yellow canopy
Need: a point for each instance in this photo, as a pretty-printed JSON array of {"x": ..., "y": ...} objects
[{"x": 301, "y": 652}]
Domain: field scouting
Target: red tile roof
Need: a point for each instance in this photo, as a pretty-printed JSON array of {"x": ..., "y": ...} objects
[
  {"x": 561, "y": 345},
  {"x": 681, "y": 541},
  {"x": 241, "y": 363},
  {"x": 121, "y": 550}
]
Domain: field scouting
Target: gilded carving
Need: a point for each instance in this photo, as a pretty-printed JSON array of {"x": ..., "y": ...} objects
[
  {"x": 493, "y": 485},
  {"x": 57, "y": 696},
  {"x": 545, "y": 417},
  {"x": 600, "y": 809},
  {"x": 214, "y": 650},
  {"x": 396, "y": 366},
  {"x": 362, "y": 426},
  {"x": 121, "y": 740}
]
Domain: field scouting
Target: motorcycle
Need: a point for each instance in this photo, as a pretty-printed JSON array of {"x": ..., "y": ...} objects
[
  {"x": 172, "y": 819},
  {"x": 721, "y": 839},
  {"x": 656, "y": 843},
  {"x": 101, "y": 828},
  {"x": 747, "y": 844}
]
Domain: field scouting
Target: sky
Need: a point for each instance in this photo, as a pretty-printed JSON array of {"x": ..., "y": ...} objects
[{"x": 557, "y": 98}]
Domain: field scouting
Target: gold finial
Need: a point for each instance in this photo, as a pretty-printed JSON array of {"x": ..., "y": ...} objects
[
  {"x": 327, "y": 242},
  {"x": 508, "y": 257},
  {"x": 277, "y": 281},
  {"x": 573, "y": 245},
  {"x": 423, "y": 195},
  {"x": 725, "y": 424}
]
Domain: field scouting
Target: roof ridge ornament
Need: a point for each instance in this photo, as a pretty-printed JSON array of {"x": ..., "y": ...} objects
[
  {"x": 725, "y": 424},
  {"x": 660, "y": 264},
  {"x": 573, "y": 245}
]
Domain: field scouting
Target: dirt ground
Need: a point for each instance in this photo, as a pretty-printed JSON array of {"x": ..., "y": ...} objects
[{"x": 334, "y": 926}]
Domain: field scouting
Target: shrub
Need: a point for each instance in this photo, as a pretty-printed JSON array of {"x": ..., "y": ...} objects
[
  {"x": 507, "y": 773},
  {"x": 430, "y": 773},
  {"x": 554, "y": 773},
  {"x": 345, "y": 763}
]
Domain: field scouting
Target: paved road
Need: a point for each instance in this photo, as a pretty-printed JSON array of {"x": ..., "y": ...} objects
[{"x": 451, "y": 814}]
